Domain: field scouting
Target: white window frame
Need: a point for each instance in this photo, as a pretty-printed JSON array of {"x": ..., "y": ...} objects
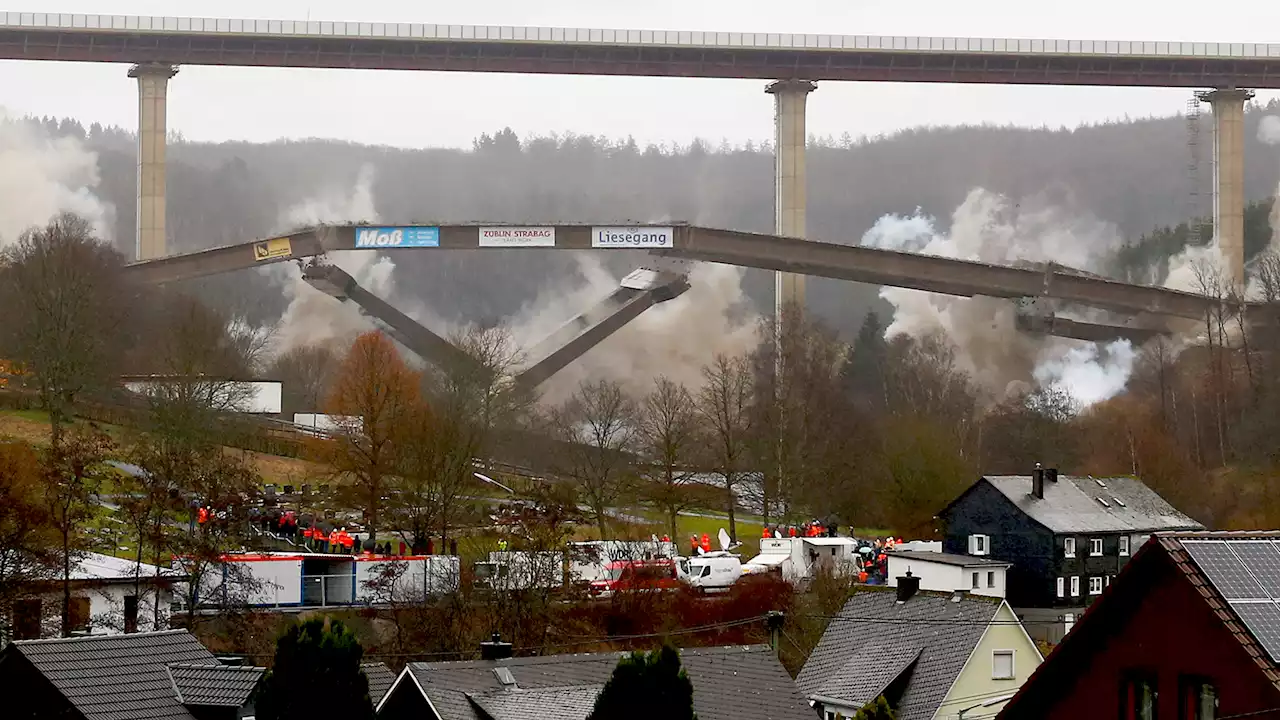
[
  {"x": 979, "y": 544},
  {"x": 991, "y": 578},
  {"x": 1062, "y": 587},
  {"x": 1075, "y": 586},
  {"x": 1124, "y": 545},
  {"x": 1013, "y": 664},
  {"x": 974, "y": 582},
  {"x": 1095, "y": 585},
  {"x": 1095, "y": 547},
  {"x": 1069, "y": 547}
]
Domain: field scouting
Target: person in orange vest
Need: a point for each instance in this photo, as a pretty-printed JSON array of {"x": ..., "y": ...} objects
[
  {"x": 706, "y": 542},
  {"x": 693, "y": 545},
  {"x": 335, "y": 540},
  {"x": 348, "y": 542},
  {"x": 666, "y": 538},
  {"x": 792, "y": 530},
  {"x": 202, "y": 517}
]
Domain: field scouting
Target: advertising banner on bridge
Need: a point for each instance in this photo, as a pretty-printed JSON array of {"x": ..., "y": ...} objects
[
  {"x": 271, "y": 249},
  {"x": 632, "y": 237},
  {"x": 397, "y": 237},
  {"x": 514, "y": 237}
]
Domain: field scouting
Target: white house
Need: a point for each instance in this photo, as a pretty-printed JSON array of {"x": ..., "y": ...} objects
[
  {"x": 109, "y": 595},
  {"x": 945, "y": 572}
]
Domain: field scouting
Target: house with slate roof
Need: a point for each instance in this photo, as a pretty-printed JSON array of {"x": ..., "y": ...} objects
[
  {"x": 729, "y": 683},
  {"x": 165, "y": 675},
  {"x": 932, "y": 655},
  {"x": 1189, "y": 630},
  {"x": 380, "y": 680},
  {"x": 1066, "y": 537}
]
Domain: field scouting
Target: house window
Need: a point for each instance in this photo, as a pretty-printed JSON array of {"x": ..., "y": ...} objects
[
  {"x": 1062, "y": 587},
  {"x": 831, "y": 715},
  {"x": 1095, "y": 546},
  {"x": 1124, "y": 545},
  {"x": 991, "y": 578},
  {"x": 1069, "y": 547},
  {"x": 1075, "y": 586},
  {"x": 131, "y": 613},
  {"x": 1197, "y": 699},
  {"x": 79, "y": 613},
  {"x": 1068, "y": 622},
  {"x": 1001, "y": 664},
  {"x": 974, "y": 585},
  {"x": 26, "y": 619},
  {"x": 1137, "y": 698},
  {"x": 1095, "y": 585},
  {"x": 979, "y": 544}
]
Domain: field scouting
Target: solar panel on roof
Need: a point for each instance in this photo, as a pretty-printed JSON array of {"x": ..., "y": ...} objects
[
  {"x": 1224, "y": 570},
  {"x": 1262, "y": 559},
  {"x": 1263, "y": 620}
]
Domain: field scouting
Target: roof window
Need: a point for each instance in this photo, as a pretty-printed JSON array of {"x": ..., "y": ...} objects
[
  {"x": 1105, "y": 504},
  {"x": 1117, "y": 501}
]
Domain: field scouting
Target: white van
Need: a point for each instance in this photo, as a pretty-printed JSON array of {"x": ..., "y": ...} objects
[{"x": 711, "y": 572}]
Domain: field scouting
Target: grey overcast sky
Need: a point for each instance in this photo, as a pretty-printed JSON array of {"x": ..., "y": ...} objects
[{"x": 449, "y": 109}]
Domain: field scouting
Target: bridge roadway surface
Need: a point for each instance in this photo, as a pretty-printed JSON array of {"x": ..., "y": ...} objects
[
  {"x": 769, "y": 252},
  {"x": 670, "y": 53}
]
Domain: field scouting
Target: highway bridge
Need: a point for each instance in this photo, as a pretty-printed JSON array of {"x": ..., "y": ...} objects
[
  {"x": 600, "y": 51},
  {"x": 794, "y": 62}
]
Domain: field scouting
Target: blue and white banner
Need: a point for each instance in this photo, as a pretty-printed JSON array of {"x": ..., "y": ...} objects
[
  {"x": 397, "y": 237},
  {"x": 632, "y": 237}
]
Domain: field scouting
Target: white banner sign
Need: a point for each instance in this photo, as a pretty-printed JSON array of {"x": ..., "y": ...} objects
[
  {"x": 511, "y": 237},
  {"x": 632, "y": 237}
]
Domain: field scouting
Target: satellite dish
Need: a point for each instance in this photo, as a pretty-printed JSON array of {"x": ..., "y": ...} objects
[{"x": 725, "y": 543}]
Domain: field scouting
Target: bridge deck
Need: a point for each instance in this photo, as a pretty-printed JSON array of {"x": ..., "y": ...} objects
[
  {"x": 491, "y": 48},
  {"x": 769, "y": 252}
]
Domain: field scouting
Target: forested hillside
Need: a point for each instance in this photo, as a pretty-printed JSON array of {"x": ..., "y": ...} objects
[{"x": 1132, "y": 174}]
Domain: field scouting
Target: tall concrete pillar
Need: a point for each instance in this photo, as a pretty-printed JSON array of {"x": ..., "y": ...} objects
[
  {"x": 790, "y": 195},
  {"x": 153, "y": 90},
  {"x": 1228, "y": 177}
]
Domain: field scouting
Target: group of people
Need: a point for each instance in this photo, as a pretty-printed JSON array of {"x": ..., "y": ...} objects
[
  {"x": 874, "y": 560},
  {"x": 813, "y": 528}
]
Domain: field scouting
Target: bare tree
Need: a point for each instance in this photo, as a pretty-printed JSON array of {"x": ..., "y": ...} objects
[
  {"x": 668, "y": 440},
  {"x": 724, "y": 405},
  {"x": 306, "y": 374},
  {"x": 28, "y": 542},
  {"x": 64, "y": 297},
  {"x": 74, "y": 472},
  {"x": 597, "y": 427},
  {"x": 376, "y": 393}
]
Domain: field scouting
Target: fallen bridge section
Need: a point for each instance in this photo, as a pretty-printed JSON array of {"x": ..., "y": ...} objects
[
  {"x": 873, "y": 266},
  {"x": 337, "y": 283},
  {"x": 638, "y": 292}
]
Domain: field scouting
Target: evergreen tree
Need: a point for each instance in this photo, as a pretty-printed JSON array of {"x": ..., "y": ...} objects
[
  {"x": 864, "y": 372},
  {"x": 316, "y": 674},
  {"x": 877, "y": 709},
  {"x": 652, "y": 685}
]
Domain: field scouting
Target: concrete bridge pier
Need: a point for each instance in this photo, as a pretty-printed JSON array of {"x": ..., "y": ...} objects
[
  {"x": 153, "y": 90},
  {"x": 789, "y": 184},
  {"x": 1228, "y": 178}
]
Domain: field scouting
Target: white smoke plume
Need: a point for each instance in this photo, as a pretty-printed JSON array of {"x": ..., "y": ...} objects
[
  {"x": 313, "y": 317},
  {"x": 676, "y": 338},
  {"x": 988, "y": 227},
  {"x": 41, "y": 176},
  {"x": 1269, "y": 130}
]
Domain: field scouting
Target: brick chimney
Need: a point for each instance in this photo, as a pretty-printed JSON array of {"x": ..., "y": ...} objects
[
  {"x": 908, "y": 586},
  {"x": 495, "y": 649}
]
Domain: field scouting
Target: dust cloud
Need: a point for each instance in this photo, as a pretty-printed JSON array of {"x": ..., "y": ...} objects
[
  {"x": 41, "y": 176},
  {"x": 989, "y": 227},
  {"x": 314, "y": 318}
]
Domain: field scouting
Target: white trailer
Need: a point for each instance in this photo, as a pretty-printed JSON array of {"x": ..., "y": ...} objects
[
  {"x": 520, "y": 570},
  {"x": 800, "y": 558},
  {"x": 587, "y": 560},
  {"x": 270, "y": 580}
]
